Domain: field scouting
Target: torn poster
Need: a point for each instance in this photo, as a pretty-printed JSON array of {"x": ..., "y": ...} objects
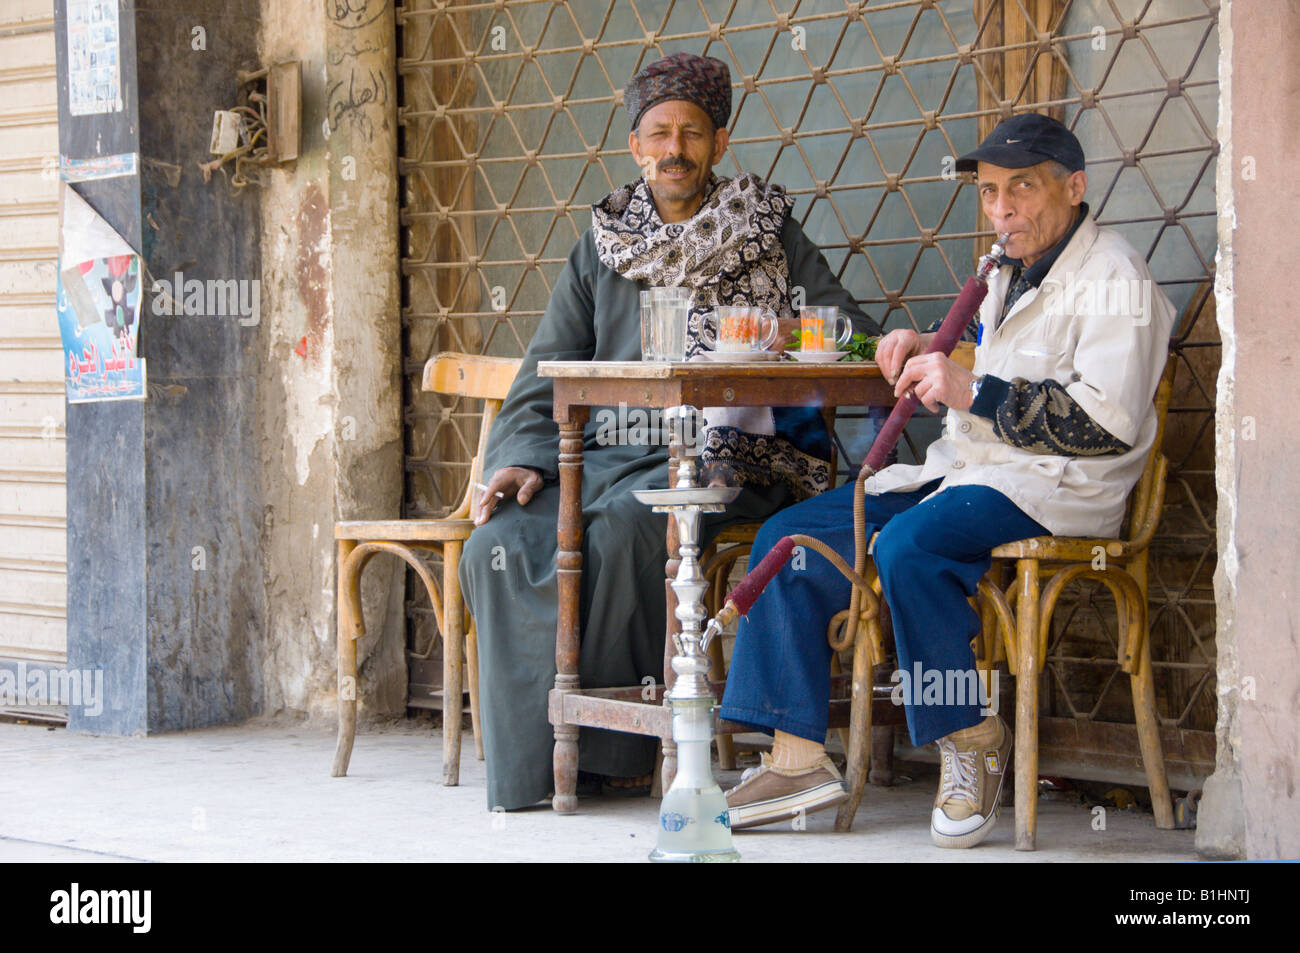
[{"x": 100, "y": 290}]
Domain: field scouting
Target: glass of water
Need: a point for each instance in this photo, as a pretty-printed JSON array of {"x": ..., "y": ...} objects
[{"x": 664, "y": 314}]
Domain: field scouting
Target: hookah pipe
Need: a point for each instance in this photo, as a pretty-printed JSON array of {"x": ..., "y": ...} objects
[{"x": 742, "y": 598}]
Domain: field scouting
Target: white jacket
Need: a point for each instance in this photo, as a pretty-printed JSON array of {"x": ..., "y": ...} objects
[{"x": 1098, "y": 325}]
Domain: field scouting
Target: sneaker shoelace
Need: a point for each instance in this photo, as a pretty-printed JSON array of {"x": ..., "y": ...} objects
[
  {"x": 764, "y": 759},
  {"x": 960, "y": 775}
]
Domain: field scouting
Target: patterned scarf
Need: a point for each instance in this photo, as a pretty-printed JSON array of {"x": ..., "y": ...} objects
[{"x": 729, "y": 254}]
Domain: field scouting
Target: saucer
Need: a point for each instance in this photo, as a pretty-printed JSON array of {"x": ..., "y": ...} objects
[
  {"x": 818, "y": 357},
  {"x": 740, "y": 357}
]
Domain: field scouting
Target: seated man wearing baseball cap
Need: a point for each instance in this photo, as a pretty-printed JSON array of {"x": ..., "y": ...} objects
[{"x": 1047, "y": 436}]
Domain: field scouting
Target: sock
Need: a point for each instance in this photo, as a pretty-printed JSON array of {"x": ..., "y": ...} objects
[
  {"x": 793, "y": 753},
  {"x": 986, "y": 732}
]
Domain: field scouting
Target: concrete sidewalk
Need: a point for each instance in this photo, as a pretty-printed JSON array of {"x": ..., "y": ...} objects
[{"x": 263, "y": 792}]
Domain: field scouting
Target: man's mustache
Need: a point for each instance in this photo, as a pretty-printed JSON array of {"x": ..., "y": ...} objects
[{"x": 676, "y": 164}]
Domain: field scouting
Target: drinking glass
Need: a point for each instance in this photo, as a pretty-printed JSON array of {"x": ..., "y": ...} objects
[
  {"x": 648, "y": 352},
  {"x": 743, "y": 330},
  {"x": 667, "y": 311},
  {"x": 823, "y": 329}
]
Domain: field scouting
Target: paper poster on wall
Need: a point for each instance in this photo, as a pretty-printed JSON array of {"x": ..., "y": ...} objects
[
  {"x": 94, "y": 71},
  {"x": 99, "y": 321},
  {"x": 98, "y": 300}
]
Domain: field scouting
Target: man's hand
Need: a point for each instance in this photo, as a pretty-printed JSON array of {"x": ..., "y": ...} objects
[
  {"x": 520, "y": 482},
  {"x": 896, "y": 347},
  {"x": 937, "y": 380}
]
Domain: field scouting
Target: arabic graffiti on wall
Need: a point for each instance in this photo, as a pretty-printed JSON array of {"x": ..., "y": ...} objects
[{"x": 358, "y": 86}]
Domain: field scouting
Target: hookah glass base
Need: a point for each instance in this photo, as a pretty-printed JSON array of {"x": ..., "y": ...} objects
[{"x": 694, "y": 826}]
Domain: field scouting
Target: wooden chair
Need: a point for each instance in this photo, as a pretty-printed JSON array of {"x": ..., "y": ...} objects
[
  {"x": 462, "y": 375},
  {"x": 1016, "y": 625},
  {"x": 1023, "y": 618}
]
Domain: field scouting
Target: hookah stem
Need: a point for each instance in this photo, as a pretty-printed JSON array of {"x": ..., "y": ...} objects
[
  {"x": 945, "y": 339},
  {"x": 740, "y": 600}
]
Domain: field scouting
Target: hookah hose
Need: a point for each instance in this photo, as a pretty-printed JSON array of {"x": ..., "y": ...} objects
[{"x": 945, "y": 339}]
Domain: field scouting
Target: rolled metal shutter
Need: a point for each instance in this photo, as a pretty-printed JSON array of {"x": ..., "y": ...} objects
[{"x": 33, "y": 558}]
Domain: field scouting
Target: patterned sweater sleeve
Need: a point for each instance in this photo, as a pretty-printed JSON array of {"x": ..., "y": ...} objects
[{"x": 1041, "y": 417}]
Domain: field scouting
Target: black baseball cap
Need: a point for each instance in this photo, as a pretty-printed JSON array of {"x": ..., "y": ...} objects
[{"x": 1026, "y": 140}]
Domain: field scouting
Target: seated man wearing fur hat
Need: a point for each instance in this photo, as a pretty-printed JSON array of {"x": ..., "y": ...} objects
[{"x": 731, "y": 242}]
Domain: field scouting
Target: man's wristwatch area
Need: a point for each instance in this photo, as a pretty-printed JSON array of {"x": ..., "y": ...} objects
[{"x": 987, "y": 393}]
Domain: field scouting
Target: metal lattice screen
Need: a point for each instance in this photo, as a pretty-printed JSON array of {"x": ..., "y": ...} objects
[{"x": 512, "y": 125}]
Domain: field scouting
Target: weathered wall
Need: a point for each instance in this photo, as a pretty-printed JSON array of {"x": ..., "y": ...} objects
[
  {"x": 203, "y": 531},
  {"x": 331, "y": 410},
  {"x": 164, "y": 546},
  {"x": 1251, "y": 806}
]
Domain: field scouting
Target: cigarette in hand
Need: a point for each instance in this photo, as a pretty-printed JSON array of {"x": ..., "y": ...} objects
[{"x": 498, "y": 494}]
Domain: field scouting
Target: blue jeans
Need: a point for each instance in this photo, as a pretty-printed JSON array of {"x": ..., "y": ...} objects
[{"x": 930, "y": 557}]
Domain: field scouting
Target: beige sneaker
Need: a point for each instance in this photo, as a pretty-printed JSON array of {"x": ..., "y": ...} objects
[
  {"x": 974, "y": 767},
  {"x": 769, "y": 794}
]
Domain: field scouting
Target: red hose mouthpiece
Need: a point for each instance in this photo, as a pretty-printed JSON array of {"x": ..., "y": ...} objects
[{"x": 751, "y": 587}]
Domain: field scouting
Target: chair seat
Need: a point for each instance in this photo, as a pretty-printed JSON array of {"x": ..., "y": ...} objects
[
  {"x": 739, "y": 533},
  {"x": 1065, "y": 548},
  {"x": 405, "y": 530}
]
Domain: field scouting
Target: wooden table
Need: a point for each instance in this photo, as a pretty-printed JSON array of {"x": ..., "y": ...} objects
[{"x": 579, "y": 385}]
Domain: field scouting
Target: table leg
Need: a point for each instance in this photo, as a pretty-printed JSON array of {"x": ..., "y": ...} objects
[
  {"x": 568, "y": 567},
  {"x": 673, "y": 626}
]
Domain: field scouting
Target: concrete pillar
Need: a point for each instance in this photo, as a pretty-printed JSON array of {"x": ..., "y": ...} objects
[
  {"x": 331, "y": 417},
  {"x": 1251, "y": 804},
  {"x": 164, "y": 496},
  {"x": 200, "y": 521}
]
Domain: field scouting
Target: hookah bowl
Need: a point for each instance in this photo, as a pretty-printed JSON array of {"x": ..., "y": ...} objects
[{"x": 693, "y": 822}]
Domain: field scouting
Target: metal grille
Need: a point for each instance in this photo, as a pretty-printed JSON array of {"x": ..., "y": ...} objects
[{"x": 512, "y": 125}]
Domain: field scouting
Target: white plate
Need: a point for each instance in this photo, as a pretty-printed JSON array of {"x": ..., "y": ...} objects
[
  {"x": 740, "y": 357},
  {"x": 818, "y": 357}
]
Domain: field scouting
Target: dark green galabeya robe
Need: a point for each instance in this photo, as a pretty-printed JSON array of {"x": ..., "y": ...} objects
[{"x": 508, "y": 568}]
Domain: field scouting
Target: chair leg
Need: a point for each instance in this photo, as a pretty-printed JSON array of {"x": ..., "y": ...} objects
[
  {"x": 862, "y": 696},
  {"x": 882, "y": 755},
  {"x": 452, "y": 647},
  {"x": 347, "y": 607},
  {"x": 1148, "y": 726},
  {"x": 471, "y": 675},
  {"x": 1026, "y": 737},
  {"x": 843, "y": 733},
  {"x": 718, "y": 673}
]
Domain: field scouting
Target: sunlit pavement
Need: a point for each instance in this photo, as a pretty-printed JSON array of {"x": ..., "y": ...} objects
[{"x": 263, "y": 792}]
